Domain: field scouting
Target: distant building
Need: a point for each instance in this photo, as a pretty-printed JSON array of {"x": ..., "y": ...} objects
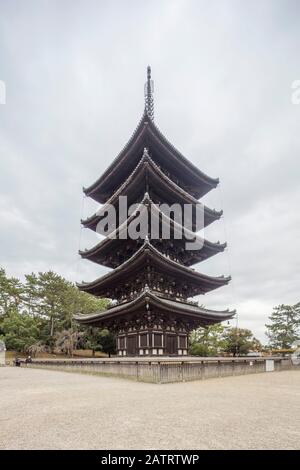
[{"x": 296, "y": 354}]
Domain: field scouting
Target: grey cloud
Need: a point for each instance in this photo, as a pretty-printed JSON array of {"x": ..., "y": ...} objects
[{"x": 74, "y": 74}]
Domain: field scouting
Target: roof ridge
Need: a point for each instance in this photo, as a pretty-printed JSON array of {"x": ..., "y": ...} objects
[
  {"x": 186, "y": 160},
  {"x": 145, "y": 118}
]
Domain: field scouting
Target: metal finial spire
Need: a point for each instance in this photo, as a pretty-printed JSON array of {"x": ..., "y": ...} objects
[{"x": 148, "y": 91}]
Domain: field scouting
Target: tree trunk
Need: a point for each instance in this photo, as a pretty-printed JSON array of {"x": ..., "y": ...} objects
[{"x": 52, "y": 326}]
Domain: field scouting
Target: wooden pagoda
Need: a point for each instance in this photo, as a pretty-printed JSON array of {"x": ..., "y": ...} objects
[{"x": 151, "y": 280}]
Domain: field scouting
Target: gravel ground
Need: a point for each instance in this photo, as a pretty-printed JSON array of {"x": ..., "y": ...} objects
[{"x": 42, "y": 409}]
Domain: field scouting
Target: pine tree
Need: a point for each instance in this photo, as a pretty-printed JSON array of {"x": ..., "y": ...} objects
[
  {"x": 240, "y": 341},
  {"x": 284, "y": 328},
  {"x": 207, "y": 341},
  {"x": 10, "y": 293}
]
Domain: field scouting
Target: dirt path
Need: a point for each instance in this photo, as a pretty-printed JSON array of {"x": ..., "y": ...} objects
[{"x": 42, "y": 409}]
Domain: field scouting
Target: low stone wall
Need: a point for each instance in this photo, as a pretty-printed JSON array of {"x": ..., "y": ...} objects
[{"x": 167, "y": 370}]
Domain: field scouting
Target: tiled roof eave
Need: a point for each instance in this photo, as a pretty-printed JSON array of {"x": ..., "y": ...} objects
[
  {"x": 144, "y": 165},
  {"x": 148, "y": 250},
  {"x": 169, "y": 305}
]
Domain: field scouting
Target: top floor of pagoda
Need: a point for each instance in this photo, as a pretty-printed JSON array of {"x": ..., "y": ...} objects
[{"x": 162, "y": 152}]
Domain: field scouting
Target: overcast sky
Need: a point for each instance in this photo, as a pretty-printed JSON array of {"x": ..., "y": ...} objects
[{"x": 74, "y": 73}]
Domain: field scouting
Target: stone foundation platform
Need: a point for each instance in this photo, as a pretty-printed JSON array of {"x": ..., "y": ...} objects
[{"x": 167, "y": 369}]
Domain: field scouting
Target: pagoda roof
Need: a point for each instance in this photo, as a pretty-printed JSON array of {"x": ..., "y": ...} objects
[
  {"x": 201, "y": 283},
  {"x": 149, "y": 298},
  {"x": 148, "y": 135},
  {"x": 162, "y": 184},
  {"x": 206, "y": 249}
]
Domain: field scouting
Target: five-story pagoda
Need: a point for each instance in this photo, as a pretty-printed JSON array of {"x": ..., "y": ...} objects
[{"x": 151, "y": 280}]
